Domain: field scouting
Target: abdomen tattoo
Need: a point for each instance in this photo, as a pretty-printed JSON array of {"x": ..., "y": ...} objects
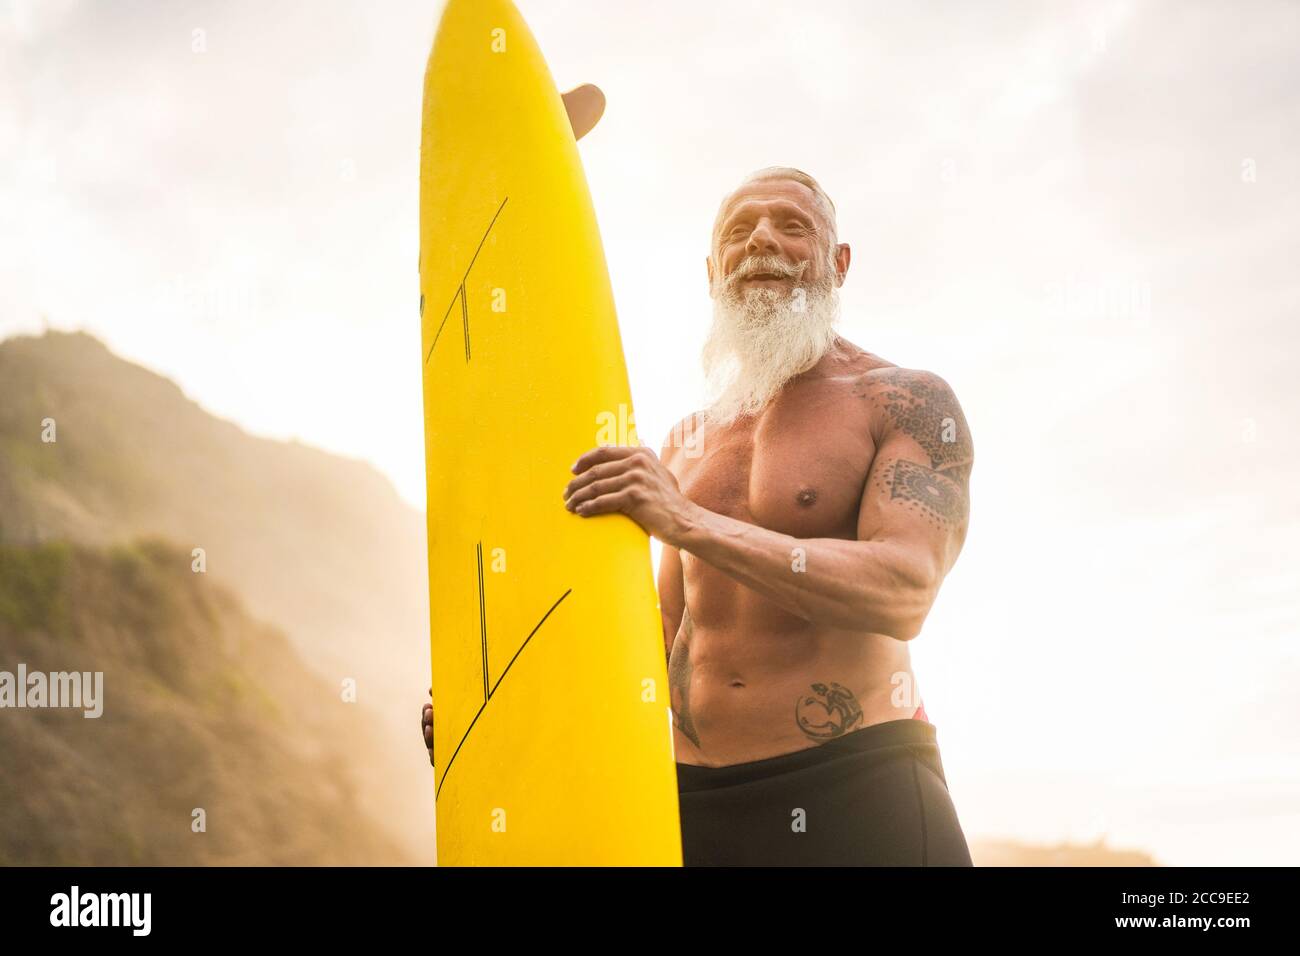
[
  {"x": 679, "y": 679},
  {"x": 829, "y": 711}
]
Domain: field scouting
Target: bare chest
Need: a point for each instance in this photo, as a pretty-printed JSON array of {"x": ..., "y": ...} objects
[{"x": 799, "y": 468}]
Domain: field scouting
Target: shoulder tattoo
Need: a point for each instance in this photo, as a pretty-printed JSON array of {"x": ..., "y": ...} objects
[{"x": 922, "y": 406}]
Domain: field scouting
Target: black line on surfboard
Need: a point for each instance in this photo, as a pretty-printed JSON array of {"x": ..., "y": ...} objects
[
  {"x": 526, "y": 640},
  {"x": 460, "y": 291},
  {"x": 464, "y": 319},
  {"x": 482, "y": 625},
  {"x": 447, "y": 769},
  {"x": 440, "y": 325}
]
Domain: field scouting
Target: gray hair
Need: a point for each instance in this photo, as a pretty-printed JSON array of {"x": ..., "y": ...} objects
[{"x": 793, "y": 175}]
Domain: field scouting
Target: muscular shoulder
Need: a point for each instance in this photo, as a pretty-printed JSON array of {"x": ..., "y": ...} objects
[
  {"x": 683, "y": 441},
  {"x": 923, "y": 406}
]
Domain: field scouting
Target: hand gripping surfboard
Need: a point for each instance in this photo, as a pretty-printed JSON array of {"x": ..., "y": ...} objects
[{"x": 553, "y": 742}]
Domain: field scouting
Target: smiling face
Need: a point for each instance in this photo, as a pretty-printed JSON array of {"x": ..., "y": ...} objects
[
  {"x": 773, "y": 273},
  {"x": 774, "y": 234}
]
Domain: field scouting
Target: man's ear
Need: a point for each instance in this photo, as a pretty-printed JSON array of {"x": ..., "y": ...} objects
[
  {"x": 842, "y": 257},
  {"x": 708, "y": 264}
]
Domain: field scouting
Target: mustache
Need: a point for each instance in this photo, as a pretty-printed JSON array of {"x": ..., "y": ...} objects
[{"x": 755, "y": 265}]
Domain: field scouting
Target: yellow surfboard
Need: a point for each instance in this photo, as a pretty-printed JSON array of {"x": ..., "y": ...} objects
[{"x": 553, "y": 741}]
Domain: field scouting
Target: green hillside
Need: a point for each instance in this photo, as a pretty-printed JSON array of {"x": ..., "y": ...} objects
[
  {"x": 202, "y": 708},
  {"x": 317, "y": 545},
  {"x": 320, "y": 544}
]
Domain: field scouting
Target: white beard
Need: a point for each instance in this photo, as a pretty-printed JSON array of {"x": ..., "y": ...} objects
[{"x": 761, "y": 338}]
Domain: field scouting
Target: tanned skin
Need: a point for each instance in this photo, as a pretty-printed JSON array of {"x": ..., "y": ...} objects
[
  {"x": 803, "y": 546},
  {"x": 840, "y": 478}
]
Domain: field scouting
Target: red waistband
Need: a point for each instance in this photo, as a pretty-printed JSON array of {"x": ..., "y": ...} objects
[{"x": 920, "y": 714}]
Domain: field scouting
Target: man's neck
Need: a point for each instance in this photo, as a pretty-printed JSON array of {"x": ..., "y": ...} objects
[{"x": 832, "y": 362}]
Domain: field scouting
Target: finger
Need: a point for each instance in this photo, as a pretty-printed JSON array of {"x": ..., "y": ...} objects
[
  {"x": 585, "y": 105},
  {"x": 616, "y": 503},
  {"x": 602, "y": 454},
  {"x": 606, "y": 486},
  {"x": 606, "y": 469}
]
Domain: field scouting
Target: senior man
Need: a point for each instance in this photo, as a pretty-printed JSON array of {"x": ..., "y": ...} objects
[{"x": 808, "y": 516}]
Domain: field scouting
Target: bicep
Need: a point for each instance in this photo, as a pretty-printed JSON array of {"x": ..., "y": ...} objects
[
  {"x": 920, "y": 511},
  {"x": 916, "y": 496}
]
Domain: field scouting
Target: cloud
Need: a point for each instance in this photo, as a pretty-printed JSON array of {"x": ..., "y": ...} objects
[{"x": 1083, "y": 216}]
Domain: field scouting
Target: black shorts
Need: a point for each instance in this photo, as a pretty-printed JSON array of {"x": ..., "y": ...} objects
[{"x": 874, "y": 797}]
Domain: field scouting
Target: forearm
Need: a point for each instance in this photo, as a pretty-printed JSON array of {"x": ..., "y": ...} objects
[{"x": 855, "y": 585}]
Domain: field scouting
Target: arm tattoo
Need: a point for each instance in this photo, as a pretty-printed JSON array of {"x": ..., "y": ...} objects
[
  {"x": 829, "y": 711},
  {"x": 936, "y": 496},
  {"x": 922, "y": 406},
  {"x": 679, "y": 678}
]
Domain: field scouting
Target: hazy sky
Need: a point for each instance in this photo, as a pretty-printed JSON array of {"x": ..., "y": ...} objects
[{"x": 1084, "y": 216}]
